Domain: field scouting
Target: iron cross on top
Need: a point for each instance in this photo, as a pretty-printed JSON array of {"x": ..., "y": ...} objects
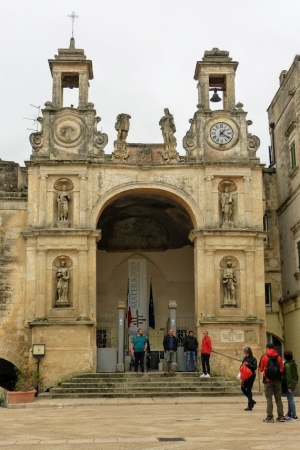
[
  {"x": 73, "y": 17},
  {"x": 138, "y": 320}
]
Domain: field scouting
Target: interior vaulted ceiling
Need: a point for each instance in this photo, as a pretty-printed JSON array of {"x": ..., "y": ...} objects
[{"x": 144, "y": 222}]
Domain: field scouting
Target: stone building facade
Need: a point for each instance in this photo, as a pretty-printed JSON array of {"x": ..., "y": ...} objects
[
  {"x": 283, "y": 114},
  {"x": 90, "y": 221}
]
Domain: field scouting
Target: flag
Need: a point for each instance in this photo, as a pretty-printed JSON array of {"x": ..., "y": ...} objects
[
  {"x": 128, "y": 315},
  {"x": 151, "y": 309}
]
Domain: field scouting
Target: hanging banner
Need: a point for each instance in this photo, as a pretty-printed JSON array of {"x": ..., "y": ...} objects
[{"x": 138, "y": 294}]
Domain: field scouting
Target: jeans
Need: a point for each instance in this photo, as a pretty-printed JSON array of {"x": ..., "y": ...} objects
[
  {"x": 273, "y": 388},
  {"x": 170, "y": 358},
  {"x": 139, "y": 358},
  {"x": 205, "y": 363},
  {"x": 247, "y": 388},
  {"x": 189, "y": 354},
  {"x": 291, "y": 404}
]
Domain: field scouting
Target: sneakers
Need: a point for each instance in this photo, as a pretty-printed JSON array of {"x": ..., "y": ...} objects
[
  {"x": 294, "y": 418},
  {"x": 269, "y": 420},
  {"x": 207, "y": 375},
  {"x": 287, "y": 417},
  {"x": 280, "y": 419},
  {"x": 203, "y": 375}
]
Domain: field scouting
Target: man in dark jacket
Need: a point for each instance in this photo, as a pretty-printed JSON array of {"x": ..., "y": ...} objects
[
  {"x": 272, "y": 386},
  {"x": 170, "y": 343},
  {"x": 190, "y": 351}
]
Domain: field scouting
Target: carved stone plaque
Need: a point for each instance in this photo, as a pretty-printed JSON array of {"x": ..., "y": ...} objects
[
  {"x": 231, "y": 335},
  {"x": 68, "y": 131}
]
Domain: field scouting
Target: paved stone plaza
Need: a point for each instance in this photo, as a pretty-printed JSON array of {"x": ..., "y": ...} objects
[{"x": 117, "y": 424}]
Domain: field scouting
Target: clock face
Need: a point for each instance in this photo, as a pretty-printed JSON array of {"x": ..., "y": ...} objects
[{"x": 221, "y": 133}]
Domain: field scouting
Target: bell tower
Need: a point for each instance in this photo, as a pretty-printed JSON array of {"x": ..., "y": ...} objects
[
  {"x": 216, "y": 72},
  {"x": 70, "y": 69}
]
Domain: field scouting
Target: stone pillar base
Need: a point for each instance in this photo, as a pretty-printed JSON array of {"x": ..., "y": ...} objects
[{"x": 120, "y": 368}]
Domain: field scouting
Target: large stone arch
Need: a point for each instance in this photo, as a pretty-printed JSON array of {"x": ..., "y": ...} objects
[{"x": 167, "y": 191}]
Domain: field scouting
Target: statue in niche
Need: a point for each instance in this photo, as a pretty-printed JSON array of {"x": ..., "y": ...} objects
[
  {"x": 229, "y": 283},
  {"x": 63, "y": 199},
  {"x": 168, "y": 128},
  {"x": 63, "y": 277},
  {"x": 122, "y": 126},
  {"x": 227, "y": 208}
]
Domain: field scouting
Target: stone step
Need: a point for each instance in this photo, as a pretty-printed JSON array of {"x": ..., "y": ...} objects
[
  {"x": 146, "y": 389},
  {"x": 153, "y": 384},
  {"x": 141, "y": 394}
]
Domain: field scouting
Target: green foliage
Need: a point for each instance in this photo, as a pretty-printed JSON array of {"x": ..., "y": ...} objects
[{"x": 27, "y": 380}]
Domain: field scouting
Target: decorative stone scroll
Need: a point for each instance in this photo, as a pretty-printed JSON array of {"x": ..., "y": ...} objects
[
  {"x": 189, "y": 141},
  {"x": 100, "y": 139},
  {"x": 253, "y": 142}
]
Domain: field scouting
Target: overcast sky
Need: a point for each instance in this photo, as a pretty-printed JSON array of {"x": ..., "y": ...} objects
[{"x": 144, "y": 54}]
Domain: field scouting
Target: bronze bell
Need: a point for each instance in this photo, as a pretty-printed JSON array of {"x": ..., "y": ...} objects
[{"x": 215, "y": 98}]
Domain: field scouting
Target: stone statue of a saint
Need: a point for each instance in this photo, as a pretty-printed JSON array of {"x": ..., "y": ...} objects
[
  {"x": 63, "y": 277},
  {"x": 227, "y": 208},
  {"x": 63, "y": 199},
  {"x": 122, "y": 126},
  {"x": 168, "y": 128},
  {"x": 229, "y": 283}
]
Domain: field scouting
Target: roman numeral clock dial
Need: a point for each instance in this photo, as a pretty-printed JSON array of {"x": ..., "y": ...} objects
[{"x": 221, "y": 133}]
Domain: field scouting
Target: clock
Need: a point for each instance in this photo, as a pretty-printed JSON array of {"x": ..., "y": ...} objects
[{"x": 221, "y": 133}]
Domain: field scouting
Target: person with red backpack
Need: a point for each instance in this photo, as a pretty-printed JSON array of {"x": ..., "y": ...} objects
[{"x": 271, "y": 365}]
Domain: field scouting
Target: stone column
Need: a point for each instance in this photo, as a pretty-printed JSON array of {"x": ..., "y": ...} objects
[
  {"x": 208, "y": 200},
  {"x": 121, "y": 337},
  {"x": 83, "y": 200},
  {"x": 43, "y": 200},
  {"x": 199, "y": 274},
  {"x": 83, "y": 89},
  {"x": 247, "y": 198},
  {"x": 203, "y": 91},
  {"x": 250, "y": 283},
  {"x": 57, "y": 97},
  {"x": 229, "y": 98},
  {"x": 41, "y": 285},
  {"x": 210, "y": 281},
  {"x": 83, "y": 285},
  {"x": 173, "y": 324}
]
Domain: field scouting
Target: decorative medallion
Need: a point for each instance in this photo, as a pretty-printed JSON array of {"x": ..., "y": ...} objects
[{"x": 68, "y": 131}]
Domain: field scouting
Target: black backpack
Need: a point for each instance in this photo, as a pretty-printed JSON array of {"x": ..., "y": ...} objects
[{"x": 273, "y": 370}]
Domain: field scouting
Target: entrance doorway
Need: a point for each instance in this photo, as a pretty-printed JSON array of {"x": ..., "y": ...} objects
[{"x": 154, "y": 229}]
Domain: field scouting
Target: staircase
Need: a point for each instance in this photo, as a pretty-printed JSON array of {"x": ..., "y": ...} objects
[{"x": 153, "y": 384}]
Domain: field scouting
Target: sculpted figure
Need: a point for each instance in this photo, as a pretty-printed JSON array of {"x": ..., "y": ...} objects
[
  {"x": 229, "y": 282},
  {"x": 227, "y": 207},
  {"x": 62, "y": 276},
  {"x": 168, "y": 128},
  {"x": 63, "y": 204},
  {"x": 122, "y": 126}
]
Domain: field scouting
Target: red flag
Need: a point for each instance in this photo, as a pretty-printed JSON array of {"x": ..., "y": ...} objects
[{"x": 129, "y": 316}]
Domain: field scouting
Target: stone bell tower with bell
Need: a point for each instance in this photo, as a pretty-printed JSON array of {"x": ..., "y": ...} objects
[{"x": 229, "y": 249}]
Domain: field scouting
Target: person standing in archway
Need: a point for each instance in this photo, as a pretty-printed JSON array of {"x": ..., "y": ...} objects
[{"x": 206, "y": 349}]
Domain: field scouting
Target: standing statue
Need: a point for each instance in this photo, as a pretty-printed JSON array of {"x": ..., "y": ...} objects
[
  {"x": 62, "y": 276},
  {"x": 122, "y": 126},
  {"x": 229, "y": 282},
  {"x": 227, "y": 208},
  {"x": 168, "y": 128},
  {"x": 63, "y": 199}
]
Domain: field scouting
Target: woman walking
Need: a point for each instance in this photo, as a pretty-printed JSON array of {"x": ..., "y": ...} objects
[
  {"x": 290, "y": 375},
  {"x": 246, "y": 387}
]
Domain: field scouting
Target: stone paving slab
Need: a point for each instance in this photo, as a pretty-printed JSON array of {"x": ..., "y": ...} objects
[{"x": 206, "y": 423}]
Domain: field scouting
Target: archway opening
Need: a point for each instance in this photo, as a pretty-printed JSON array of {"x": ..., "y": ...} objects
[
  {"x": 8, "y": 375},
  {"x": 152, "y": 231}
]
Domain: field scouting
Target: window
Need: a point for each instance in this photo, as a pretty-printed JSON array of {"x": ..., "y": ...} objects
[
  {"x": 293, "y": 155},
  {"x": 268, "y": 295}
]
